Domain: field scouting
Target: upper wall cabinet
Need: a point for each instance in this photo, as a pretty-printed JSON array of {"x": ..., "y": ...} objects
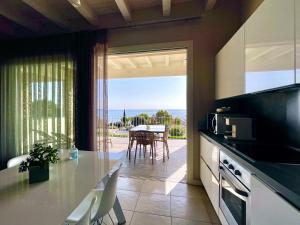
[
  {"x": 230, "y": 65},
  {"x": 269, "y": 46}
]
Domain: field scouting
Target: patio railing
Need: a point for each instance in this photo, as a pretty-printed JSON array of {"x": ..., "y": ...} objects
[{"x": 120, "y": 127}]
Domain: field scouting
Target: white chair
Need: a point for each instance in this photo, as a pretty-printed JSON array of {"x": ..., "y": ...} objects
[
  {"x": 16, "y": 161},
  {"x": 86, "y": 218},
  {"x": 105, "y": 199}
]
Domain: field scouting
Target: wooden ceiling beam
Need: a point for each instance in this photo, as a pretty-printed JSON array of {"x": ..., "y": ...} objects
[
  {"x": 46, "y": 10},
  {"x": 210, "y": 4},
  {"x": 86, "y": 11},
  {"x": 167, "y": 60},
  {"x": 148, "y": 61},
  {"x": 124, "y": 9},
  {"x": 166, "y": 4},
  {"x": 16, "y": 16},
  {"x": 131, "y": 63}
]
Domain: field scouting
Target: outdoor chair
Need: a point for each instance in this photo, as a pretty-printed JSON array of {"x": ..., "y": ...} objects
[
  {"x": 164, "y": 139},
  {"x": 132, "y": 138},
  {"x": 145, "y": 138}
]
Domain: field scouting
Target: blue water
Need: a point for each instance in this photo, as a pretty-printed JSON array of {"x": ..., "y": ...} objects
[{"x": 115, "y": 115}]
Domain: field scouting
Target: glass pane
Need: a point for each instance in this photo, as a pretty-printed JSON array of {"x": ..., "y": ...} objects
[{"x": 236, "y": 206}]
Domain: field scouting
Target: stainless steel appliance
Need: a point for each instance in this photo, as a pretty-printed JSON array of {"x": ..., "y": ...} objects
[
  {"x": 239, "y": 128},
  {"x": 234, "y": 191}
]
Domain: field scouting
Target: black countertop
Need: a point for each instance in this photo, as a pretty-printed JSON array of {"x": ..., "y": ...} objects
[{"x": 281, "y": 177}]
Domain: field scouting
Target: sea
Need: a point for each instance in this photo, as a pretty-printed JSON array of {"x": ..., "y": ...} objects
[{"x": 114, "y": 115}]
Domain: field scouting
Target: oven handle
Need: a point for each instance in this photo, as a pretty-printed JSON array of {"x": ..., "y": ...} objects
[{"x": 237, "y": 190}]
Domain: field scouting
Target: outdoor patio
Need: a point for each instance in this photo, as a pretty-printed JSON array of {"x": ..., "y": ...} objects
[{"x": 173, "y": 169}]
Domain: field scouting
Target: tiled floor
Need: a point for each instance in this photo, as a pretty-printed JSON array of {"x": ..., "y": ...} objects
[
  {"x": 148, "y": 201},
  {"x": 158, "y": 195},
  {"x": 173, "y": 169}
]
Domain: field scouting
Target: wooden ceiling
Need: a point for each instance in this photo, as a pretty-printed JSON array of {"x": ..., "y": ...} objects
[{"x": 20, "y": 18}]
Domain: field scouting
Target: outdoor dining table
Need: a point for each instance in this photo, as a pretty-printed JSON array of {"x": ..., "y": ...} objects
[
  {"x": 157, "y": 129},
  {"x": 152, "y": 128},
  {"x": 50, "y": 202}
]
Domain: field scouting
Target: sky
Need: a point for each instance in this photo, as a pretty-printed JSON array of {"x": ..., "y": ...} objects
[{"x": 147, "y": 93}]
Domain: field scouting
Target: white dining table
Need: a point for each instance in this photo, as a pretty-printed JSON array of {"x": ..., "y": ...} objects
[{"x": 50, "y": 202}]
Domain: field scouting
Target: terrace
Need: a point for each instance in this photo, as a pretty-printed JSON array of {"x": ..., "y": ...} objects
[{"x": 173, "y": 169}]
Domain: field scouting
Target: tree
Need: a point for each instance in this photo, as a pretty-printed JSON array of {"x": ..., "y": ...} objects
[
  {"x": 123, "y": 119},
  {"x": 163, "y": 117},
  {"x": 145, "y": 116},
  {"x": 177, "y": 121}
]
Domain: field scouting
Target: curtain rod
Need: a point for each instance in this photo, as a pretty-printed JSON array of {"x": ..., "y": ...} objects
[{"x": 150, "y": 23}]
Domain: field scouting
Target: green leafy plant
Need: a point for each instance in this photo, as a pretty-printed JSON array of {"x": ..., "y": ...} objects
[
  {"x": 40, "y": 155},
  {"x": 176, "y": 131}
]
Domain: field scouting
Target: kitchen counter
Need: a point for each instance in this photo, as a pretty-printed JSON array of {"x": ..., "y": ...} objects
[{"x": 281, "y": 177}]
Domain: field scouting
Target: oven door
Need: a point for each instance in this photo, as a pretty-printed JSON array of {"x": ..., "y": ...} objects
[{"x": 234, "y": 198}]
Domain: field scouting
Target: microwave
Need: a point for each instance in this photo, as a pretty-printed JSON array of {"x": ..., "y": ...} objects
[{"x": 216, "y": 123}]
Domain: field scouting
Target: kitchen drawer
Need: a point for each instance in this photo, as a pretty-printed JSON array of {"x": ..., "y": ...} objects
[
  {"x": 210, "y": 154},
  {"x": 211, "y": 185}
]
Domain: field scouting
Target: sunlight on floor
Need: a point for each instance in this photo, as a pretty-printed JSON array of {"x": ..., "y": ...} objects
[{"x": 176, "y": 178}]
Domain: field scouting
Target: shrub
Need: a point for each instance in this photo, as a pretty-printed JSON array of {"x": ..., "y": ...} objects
[
  {"x": 163, "y": 117},
  {"x": 176, "y": 131},
  {"x": 136, "y": 120}
]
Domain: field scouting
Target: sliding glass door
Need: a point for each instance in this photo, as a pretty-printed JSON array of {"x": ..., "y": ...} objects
[{"x": 37, "y": 103}]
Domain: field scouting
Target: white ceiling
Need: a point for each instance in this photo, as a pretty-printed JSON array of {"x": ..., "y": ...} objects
[{"x": 147, "y": 64}]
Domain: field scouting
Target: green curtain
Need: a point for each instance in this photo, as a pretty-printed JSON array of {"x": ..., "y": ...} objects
[
  {"x": 37, "y": 103},
  {"x": 101, "y": 100}
]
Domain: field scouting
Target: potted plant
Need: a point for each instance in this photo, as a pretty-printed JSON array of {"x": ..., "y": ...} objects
[{"x": 38, "y": 162}]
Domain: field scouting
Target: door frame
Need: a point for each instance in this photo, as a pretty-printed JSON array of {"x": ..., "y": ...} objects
[{"x": 188, "y": 45}]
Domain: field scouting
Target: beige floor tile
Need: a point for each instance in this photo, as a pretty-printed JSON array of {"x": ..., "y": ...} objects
[
  {"x": 179, "y": 221},
  {"x": 130, "y": 184},
  {"x": 148, "y": 219},
  {"x": 154, "y": 204},
  {"x": 189, "y": 208},
  {"x": 157, "y": 187},
  {"x": 128, "y": 216},
  {"x": 185, "y": 190},
  {"x": 128, "y": 199},
  {"x": 211, "y": 211}
]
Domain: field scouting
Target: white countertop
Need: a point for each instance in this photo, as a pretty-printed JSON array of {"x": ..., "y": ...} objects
[{"x": 50, "y": 202}]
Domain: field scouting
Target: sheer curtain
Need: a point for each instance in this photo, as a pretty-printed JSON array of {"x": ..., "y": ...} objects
[
  {"x": 36, "y": 103},
  {"x": 101, "y": 101}
]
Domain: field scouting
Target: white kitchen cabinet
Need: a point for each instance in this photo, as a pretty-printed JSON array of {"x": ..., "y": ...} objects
[
  {"x": 268, "y": 208},
  {"x": 210, "y": 184},
  {"x": 269, "y": 46},
  {"x": 210, "y": 154},
  {"x": 230, "y": 67}
]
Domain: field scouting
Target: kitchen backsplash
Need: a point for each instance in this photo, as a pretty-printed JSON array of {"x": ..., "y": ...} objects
[{"x": 277, "y": 114}]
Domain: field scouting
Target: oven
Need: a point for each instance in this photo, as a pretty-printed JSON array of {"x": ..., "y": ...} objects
[{"x": 234, "y": 195}]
